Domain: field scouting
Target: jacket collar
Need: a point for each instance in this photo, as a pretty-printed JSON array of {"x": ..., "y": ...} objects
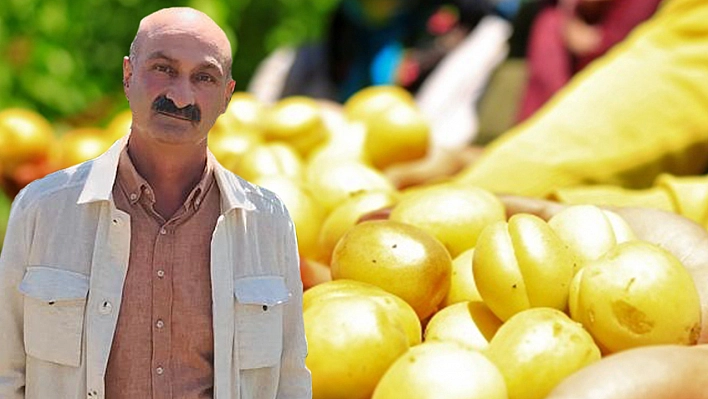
[
  {"x": 102, "y": 176},
  {"x": 234, "y": 190}
]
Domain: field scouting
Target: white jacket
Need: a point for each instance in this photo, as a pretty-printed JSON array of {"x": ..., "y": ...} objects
[{"x": 62, "y": 269}]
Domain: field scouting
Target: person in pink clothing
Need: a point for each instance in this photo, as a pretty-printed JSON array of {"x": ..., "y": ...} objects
[{"x": 568, "y": 35}]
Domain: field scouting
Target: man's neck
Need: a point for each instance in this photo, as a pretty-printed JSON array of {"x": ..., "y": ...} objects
[{"x": 171, "y": 170}]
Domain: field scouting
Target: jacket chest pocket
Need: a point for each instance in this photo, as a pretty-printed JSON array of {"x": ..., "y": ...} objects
[
  {"x": 54, "y": 306},
  {"x": 259, "y": 320}
]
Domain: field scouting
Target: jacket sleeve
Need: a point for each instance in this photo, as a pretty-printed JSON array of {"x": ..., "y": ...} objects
[
  {"x": 13, "y": 260},
  {"x": 295, "y": 379}
]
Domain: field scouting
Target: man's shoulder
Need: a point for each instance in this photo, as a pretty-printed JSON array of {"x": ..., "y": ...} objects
[
  {"x": 261, "y": 197},
  {"x": 65, "y": 183}
]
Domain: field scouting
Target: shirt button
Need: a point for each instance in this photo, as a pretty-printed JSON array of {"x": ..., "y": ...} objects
[
  {"x": 163, "y": 231},
  {"x": 159, "y": 324},
  {"x": 133, "y": 196},
  {"x": 159, "y": 370},
  {"x": 105, "y": 308},
  {"x": 160, "y": 273}
]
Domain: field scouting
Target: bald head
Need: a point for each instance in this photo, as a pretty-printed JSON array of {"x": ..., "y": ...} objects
[{"x": 183, "y": 20}]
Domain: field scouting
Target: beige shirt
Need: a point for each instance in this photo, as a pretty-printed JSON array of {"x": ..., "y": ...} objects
[
  {"x": 64, "y": 264},
  {"x": 163, "y": 345}
]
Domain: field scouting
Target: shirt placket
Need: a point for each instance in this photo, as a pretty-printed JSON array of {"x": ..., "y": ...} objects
[{"x": 162, "y": 276}]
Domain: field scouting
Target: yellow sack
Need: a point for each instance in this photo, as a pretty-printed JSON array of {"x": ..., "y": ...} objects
[{"x": 639, "y": 111}]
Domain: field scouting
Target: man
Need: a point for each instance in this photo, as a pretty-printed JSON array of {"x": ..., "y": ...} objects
[{"x": 151, "y": 271}]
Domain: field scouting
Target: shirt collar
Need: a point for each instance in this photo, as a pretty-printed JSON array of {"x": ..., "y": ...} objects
[
  {"x": 102, "y": 176},
  {"x": 196, "y": 196},
  {"x": 137, "y": 187}
]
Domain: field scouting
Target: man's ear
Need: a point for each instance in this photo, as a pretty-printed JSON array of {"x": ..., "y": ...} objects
[
  {"x": 127, "y": 74},
  {"x": 230, "y": 87}
]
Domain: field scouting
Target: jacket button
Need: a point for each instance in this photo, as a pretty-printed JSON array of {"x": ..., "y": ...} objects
[{"x": 105, "y": 308}]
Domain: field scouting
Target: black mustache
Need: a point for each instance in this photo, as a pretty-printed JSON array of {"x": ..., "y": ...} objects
[{"x": 166, "y": 106}]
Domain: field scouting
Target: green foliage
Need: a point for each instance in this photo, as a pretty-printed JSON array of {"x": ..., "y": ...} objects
[
  {"x": 5, "y": 204},
  {"x": 63, "y": 57},
  {"x": 265, "y": 25}
]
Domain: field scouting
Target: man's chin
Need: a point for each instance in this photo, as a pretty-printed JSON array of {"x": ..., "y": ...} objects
[
  {"x": 173, "y": 132},
  {"x": 170, "y": 126}
]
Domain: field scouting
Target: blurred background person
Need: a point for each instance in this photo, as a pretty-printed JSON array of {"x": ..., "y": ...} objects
[
  {"x": 443, "y": 51},
  {"x": 633, "y": 114},
  {"x": 370, "y": 42},
  {"x": 569, "y": 34}
]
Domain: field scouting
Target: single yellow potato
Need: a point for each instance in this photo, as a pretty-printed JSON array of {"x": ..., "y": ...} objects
[
  {"x": 395, "y": 129},
  {"x": 244, "y": 111},
  {"x": 296, "y": 121},
  {"x": 346, "y": 215},
  {"x": 395, "y": 306},
  {"x": 270, "y": 159},
  {"x": 453, "y": 214},
  {"x": 351, "y": 342},
  {"x": 398, "y": 134},
  {"x": 537, "y": 348},
  {"x": 462, "y": 285},
  {"x": 25, "y": 136},
  {"x": 402, "y": 259},
  {"x": 81, "y": 144},
  {"x": 230, "y": 146},
  {"x": 637, "y": 294},
  {"x": 522, "y": 264},
  {"x": 441, "y": 370},
  {"x": 336, "y": 181},
  {"x": 346, "y": 139},
  {"x": 470, "y": 324},
  {"x": 590, "y": 231},
  {"x": 374, "y": 99}
]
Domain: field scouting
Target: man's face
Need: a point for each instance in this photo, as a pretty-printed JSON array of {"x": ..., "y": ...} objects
[{"x": 177, "y": 85}]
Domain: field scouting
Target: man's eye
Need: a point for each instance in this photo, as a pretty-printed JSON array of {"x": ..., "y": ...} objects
[
  {"x": 202, "y": 77},
  {"x": 164, "y": 69}
]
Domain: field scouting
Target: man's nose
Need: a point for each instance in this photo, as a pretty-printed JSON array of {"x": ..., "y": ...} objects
[{"x": 181, "y": 93}]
